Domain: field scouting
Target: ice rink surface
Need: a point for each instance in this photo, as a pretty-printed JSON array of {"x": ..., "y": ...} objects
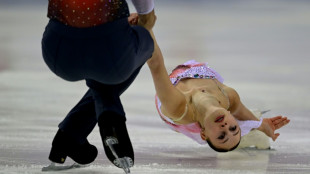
[{"x": 261, "y": 48}]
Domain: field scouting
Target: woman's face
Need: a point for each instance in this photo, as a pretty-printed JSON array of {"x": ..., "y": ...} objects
[{"x": 222, "y": 129}]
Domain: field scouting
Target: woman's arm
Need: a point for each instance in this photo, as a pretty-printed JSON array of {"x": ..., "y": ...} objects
[
  {"x": 268, "y": 126},
  {"x": 173, "y": 101},
  {"x": 237, "y": 108}
]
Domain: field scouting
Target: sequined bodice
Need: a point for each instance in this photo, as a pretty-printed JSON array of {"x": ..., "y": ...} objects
[
  {"x": 199, "y": 71},
  {"x": 87, "y": 13}
]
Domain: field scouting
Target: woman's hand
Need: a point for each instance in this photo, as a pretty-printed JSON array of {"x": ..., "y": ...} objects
[{"x": 269, "y": 125}]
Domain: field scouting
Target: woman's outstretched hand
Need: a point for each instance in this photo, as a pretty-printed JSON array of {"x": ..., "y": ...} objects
[{"x": 269, "y": 125}]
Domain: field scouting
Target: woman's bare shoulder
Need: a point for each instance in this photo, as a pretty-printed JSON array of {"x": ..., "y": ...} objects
[
  {"x": 234, "y": 98},
  {"x": 230, "y": 91}
]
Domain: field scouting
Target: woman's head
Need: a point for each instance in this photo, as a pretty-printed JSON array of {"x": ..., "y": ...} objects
[
  {"x": 221, "y": 130},
  {"x": 219, "y": 127}
]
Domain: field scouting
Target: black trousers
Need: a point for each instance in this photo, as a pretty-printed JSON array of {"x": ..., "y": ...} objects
[{"x": 108, "y": 57}]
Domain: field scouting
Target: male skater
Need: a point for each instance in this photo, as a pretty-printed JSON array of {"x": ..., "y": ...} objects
[{"x": 93, "y": 40}]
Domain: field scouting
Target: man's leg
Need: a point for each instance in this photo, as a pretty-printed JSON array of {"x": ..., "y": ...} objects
[
  {"x": 71, "y": 138},
  {"x": 111, "y": 119},
  {"x": 81, "y": 120}
]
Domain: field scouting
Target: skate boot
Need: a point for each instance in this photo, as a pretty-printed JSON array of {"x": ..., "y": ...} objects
[
  {"x": 256, "y": 138},
  {"x": 116, "y": 142},
  {"x": 64, "y": 146}
]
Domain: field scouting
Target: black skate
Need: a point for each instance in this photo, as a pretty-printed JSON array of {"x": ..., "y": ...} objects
[
  {"x": 64, "y": 146},
  {"x": 116, "y": 143}
]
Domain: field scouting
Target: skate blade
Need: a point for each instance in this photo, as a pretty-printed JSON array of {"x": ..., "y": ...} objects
[
  {"x": 54, "y": 167},
  {"x": 124, "y": 163},
  {"x": 263, "y": 112}
]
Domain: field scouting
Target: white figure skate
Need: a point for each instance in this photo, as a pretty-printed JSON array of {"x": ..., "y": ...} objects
[{"x": 255, "y": 138}]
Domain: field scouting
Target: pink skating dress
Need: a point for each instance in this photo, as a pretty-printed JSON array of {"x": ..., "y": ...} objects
[{"x": 193, "y": 69}]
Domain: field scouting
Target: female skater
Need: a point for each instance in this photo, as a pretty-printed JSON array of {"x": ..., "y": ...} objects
[
  {"x": 194, "y": 101},
  {"x": 92, "y": 40}
]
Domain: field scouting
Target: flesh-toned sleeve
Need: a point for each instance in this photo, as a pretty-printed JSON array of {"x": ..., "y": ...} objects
[
  {"x": 172, "y": 100},
  {"x": 143, "y": 6}
]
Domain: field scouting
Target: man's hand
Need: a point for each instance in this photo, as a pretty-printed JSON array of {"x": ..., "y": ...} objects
[
  {"x": 269, "y": 125},
  {"x": 133, "y": 19}
]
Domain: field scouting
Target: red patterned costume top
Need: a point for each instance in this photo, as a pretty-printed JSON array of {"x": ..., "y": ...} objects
[{"x": 87, "y": 13}]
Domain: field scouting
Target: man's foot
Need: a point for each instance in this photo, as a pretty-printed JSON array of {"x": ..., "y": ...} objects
[
  {"x": 60, "y": 167},
  {"x": 63, "y": 146},
  {"x": 116, "y": 142}
]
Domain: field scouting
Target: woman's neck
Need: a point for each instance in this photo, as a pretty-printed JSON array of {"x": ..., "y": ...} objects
[{"x": 204, "y": 110}]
